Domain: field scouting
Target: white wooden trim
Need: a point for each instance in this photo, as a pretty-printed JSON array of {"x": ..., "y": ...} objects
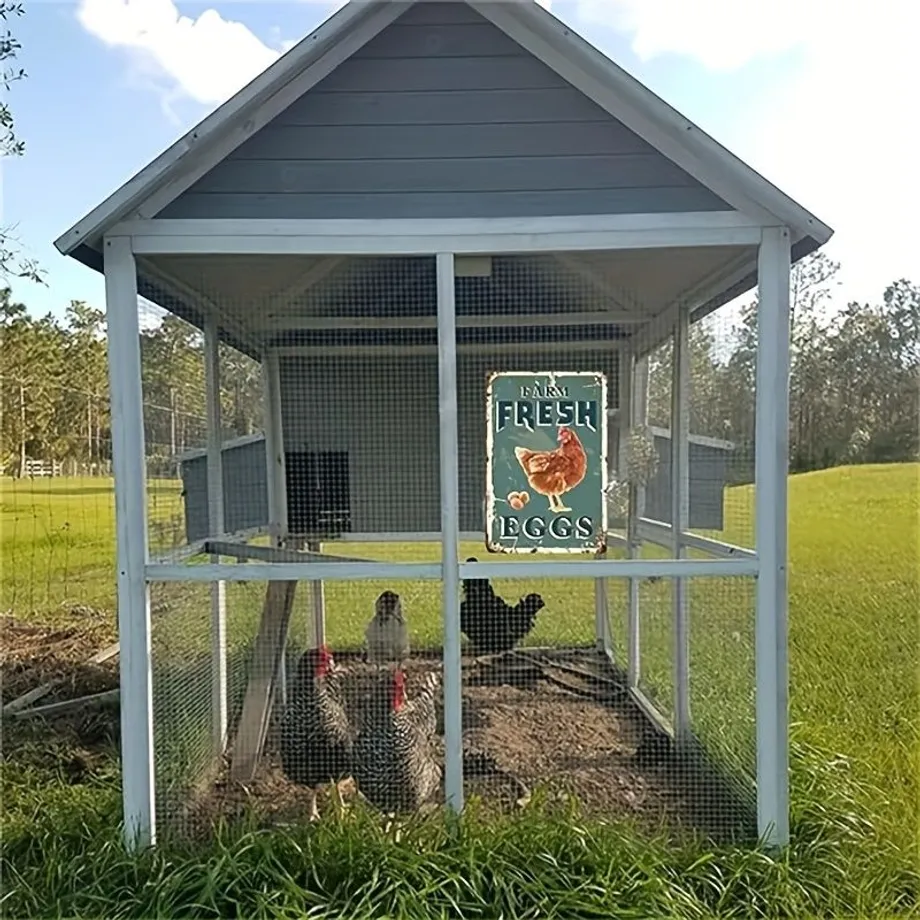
[
  {"x": 128, "y": 453},
  {"x": 274, "y": 444},
  {"x": 197, "y": 547},
  {"x": 216, "y": 526},
  {"x": 195, "y": 452},
  {"x": 602, "y": 614},
  {"x": 770, "y": 486},
  {"x": 297, "y": 571},
  {"x": 624, "y": 97},
  {"x": 287, "y": 323},
  {"x": 444, "y": 228},
  {"x": 498, "y": 348},
  {"x": 680, "y": 517},
  {"x": 700, "y": 439},
  {"x": 425, "y": 237},
  {"x": 431, "y": 571},
  {"x": 450, "y": 540},
  {"x": 660, "y": 534},
  {"x": 317, "y": 603},
  {"x": 431, "y": 536},
  {"x": 239, "y": 117},
  {"x": 638, "y": 414}
]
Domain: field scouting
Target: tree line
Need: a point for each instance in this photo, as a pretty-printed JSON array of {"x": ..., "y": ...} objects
[
  {"x": 54, "y": 390},
  {"x": 855, "y": 382},
  {"x": 854, "y": 376}
]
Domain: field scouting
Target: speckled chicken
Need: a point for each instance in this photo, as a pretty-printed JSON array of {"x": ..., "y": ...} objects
[
  {"x": 317, "y": 737},
  {"x": 394, "y": 758}
]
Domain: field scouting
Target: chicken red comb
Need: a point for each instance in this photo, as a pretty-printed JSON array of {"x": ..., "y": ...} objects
[{"x": 399, "y": 690}]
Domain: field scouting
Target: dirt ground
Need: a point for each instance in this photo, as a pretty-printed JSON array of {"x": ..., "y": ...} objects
[{"x": 536, "y": 726}]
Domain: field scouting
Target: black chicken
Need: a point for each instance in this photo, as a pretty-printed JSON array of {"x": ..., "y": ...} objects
[
  {"x": 490, "y": 623},
  {"x": 316, "y": 734}
]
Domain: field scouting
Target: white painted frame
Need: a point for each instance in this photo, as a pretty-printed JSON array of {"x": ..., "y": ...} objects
[
  {"x": 128, "y": 461},
  {"x": 431, "y": 571},
  {"x": 450, "y": 533},
  {"x": 497, "y": 321},
  {"x": 467, "y": 236},
  {"x": 136, "y": 569},
  {"x": 216, "y": 526},
  {"x": 771, "y": 466},
  {"x": 680, "y": 518},
  {"x": 638, "y": 411}
]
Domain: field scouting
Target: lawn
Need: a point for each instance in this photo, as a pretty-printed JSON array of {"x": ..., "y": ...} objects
[{"x": 853, "y": 657}]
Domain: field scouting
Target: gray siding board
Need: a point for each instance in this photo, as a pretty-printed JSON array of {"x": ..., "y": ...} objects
[
  {"x": 245, "y": 479},
  {"x": 442, "y": 204},
  {"x": 440, "y": 40},
  {"x": 708, "y": 475},
  {"x": 443, "y": 115},
  {"x": 388, "y": 75},
  {"x": 468, "y": 174},
  {"x": 349, "y": 143},
  {"x": 549, "y": 107}
]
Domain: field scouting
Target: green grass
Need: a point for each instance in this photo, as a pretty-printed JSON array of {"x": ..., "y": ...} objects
[{"x": 853, "y": 659}]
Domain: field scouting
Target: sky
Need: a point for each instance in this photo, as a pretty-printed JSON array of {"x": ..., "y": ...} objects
[{"x": 814, "y": 94}]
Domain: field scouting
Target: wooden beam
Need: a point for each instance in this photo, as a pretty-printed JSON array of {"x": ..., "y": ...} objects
[
  {"x": 270, "y": 553},
  {"x": 266, "y": 658},
  {"x": 36, "y": 693}
]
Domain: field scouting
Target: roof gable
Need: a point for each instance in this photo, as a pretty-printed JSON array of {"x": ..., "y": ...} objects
[{"x": 523, "y": 21}]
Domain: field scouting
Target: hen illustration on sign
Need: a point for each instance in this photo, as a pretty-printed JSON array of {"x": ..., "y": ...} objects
[{"x": 546, "y": 462}]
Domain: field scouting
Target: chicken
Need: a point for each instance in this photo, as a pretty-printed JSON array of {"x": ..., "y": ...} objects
[
  {"x": 387, "y": 635},
  {"x": 394, "y": 758},
  {"x": 554, "y": 472},
  {"x": 490, "y": 623},
  {"x": 317, "y": 737}
]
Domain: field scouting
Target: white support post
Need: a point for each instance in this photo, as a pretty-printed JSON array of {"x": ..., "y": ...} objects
[
  {"x": 128, "y": 460},
  {"x": 215, "y": 529},
  {"x": 680, "y": 515},
  {"x": 317, "y": 604},
  {"x": 277, "y": 476},
  {"x": 450, "y": 531},
  {"x": 602, "y": 614},
  {"x": 274, "y": 446},
  {"x": 638, "y": 414},
  {"x": 770, "y": 482}
]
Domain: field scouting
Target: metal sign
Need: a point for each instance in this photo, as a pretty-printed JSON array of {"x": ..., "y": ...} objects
[{"x": 546, "y": 462}]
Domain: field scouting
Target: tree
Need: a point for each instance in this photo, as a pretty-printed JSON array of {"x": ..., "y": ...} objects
[
  {"x": 31, "y": 362},
  {"x": 12, "y": 263}
]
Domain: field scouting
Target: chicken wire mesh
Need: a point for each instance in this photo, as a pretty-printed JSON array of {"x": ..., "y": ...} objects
[
  {"x": 345, "y": 467},
  {"x": 173, "y": 372},
  {"x": 360, "y": 713}
]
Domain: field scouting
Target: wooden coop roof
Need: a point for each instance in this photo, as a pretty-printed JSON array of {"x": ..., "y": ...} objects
[{"x": 705, "y": 174}]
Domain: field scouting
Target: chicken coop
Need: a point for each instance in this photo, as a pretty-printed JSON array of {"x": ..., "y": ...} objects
[{"x": 416, "y": 200}]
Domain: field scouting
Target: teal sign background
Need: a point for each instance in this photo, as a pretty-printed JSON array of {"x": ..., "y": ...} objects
[{"x": 527, "y": 410}]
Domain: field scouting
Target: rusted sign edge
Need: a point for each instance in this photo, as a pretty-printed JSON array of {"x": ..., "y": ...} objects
[{"x": 599, "y": 545}]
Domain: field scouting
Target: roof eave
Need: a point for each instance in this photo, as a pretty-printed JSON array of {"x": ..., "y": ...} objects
[
  {"x": 129, "y": 196},
  {"x": 698, "y": 144}
]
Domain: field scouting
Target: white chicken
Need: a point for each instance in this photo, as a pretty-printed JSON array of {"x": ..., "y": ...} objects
[{"x": 387, "y": 634}]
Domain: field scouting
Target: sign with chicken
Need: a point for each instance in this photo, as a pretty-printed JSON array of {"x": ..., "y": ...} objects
[{"x": 546, "y": 458}]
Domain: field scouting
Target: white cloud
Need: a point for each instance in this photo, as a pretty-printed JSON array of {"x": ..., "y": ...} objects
[
  {"x": 840, "y": 138},
  {"x": 206, "y": 59}
]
